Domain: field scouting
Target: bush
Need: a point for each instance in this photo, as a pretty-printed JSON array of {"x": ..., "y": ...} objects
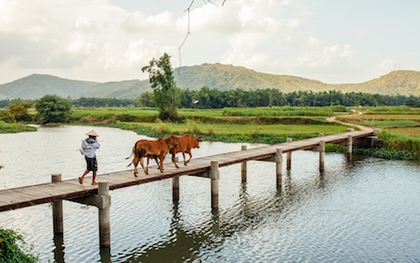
[
  {"x": 14, "y": 249},
  {"x": 52, "y": 108},
  {"x": 7, "y": 117}
]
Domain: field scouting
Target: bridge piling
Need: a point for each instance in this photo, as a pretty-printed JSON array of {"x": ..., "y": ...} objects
[
  {"x": 57, "y": 210},
  {"x": 214, "y": 178},
  {"x": 321, "y": 155},
  {"x": 243, "y": 167},
  {"x": 175, "y": 189},
  {"x": 289, "y": 157},
  {"x": 104, "y": 217},
  {"x": 279, "y": 166},
  {"x": 349, "y": 143}
]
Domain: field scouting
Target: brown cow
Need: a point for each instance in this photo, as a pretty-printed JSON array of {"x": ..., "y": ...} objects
[
  {"x": 184, "y": 145},
  {"x": 156, "y": 149}
]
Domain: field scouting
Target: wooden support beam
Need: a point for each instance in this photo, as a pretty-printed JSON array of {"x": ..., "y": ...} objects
[
  {"x": 321, "y": 155},
  {"x": 103, "y": 202},
  {"x": 175, "y": 189},
  {"x": 214, "y": 176},
  {"x": 279, "y": 165},
  {"x": 243, "y": 167},
  {"x": 57, "y": 210},
  {"x": 289, "y": 157},
  {"x": 349, "y": 144},
  {"x": 104, "y": 217}
]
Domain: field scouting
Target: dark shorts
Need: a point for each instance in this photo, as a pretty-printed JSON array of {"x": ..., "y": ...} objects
[{"x": 91, "y": 164}]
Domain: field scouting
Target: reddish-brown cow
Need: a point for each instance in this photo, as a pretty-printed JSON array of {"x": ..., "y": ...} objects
[
  {"x": 184, "y": 145},
  {"x": 156, "y": 149}
]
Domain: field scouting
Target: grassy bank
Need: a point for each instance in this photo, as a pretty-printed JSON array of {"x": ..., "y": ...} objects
[
  {"x": 15, "y": 127},
  {"x": 400, "y": 125},
  {"x": 400, "y": 128},
  {"x": 256, "y": 125}
]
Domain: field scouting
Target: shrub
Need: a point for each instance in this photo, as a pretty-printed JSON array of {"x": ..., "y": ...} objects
[
  {"x": 14, "y": 249},
  {"x": 52, "y": 108}
]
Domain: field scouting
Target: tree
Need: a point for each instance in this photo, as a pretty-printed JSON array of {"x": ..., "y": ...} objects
[
  {"x": 20, "y": 111},
  {"x": 52, "y": 108},
  {"x": 164, "y": 87},
  {"x": 145, "y": 99}
]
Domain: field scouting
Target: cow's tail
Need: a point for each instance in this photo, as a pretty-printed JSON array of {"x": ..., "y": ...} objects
[
  {"x": 130, "y": 154},
  {"x": 132, "y": 151}
]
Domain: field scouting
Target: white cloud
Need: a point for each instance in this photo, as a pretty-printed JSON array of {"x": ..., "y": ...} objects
[
  {"x": 153, "y": 24},
  {"x": 96, "y": 40}
]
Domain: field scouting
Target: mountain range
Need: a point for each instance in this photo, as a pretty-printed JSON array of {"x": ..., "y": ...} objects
[{"x": 219, "y": 76}]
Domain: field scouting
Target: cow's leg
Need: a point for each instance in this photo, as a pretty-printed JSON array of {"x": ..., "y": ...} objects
[
  {"x": 183, "y": 156},
  {"x": 173, "y": 160},
  {"x": 135, "y": 162},
  {"x": 147, "y": 164},
  {"x": 146, "y": 171},
  {"x": 161, "y": 159}
]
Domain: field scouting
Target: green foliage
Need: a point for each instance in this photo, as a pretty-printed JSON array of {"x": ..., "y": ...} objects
[
  {"x": 146, "y": 99},
  {"x": 20, "y": 111},
  {"x": 387, "y": 154},
  {"x": 53, "y": 109},
  {"x": 164, "y": 87},
  {"x": 7, "y": 116},
  {"x": 399, "y": 142},
  {"x": 14, "y": 127},
  {"x": 14, "y": 249},
  {"x": 279, "y": 111},
  {"x": 102, "y": 102}
]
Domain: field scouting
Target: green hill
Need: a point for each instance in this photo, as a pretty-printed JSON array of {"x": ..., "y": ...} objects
[
  {"x": 37, "y": 85},
  {"x": 219, "y": 76}
]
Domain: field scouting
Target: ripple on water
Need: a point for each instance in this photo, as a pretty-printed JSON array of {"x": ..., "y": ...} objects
[{"x": 366, "y": 210}]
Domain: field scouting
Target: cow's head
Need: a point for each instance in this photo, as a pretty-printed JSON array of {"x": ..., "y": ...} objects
[{"x": 196, "y": 142}]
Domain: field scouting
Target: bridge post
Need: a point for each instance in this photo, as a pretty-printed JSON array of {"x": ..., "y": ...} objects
[
  {"x": 214, "y": 178},
  {"x": 321, "y": 155},
  {"x": 289, "y": 157},
  {"x": 349, "y": 147},
  {"x": 175, "y": 189},
  {"x": 57, "y": 210},
  {"x": 243, "y": 167},
  {"x": 279, "y": 164},
  {"x": 104, "y": 217}
]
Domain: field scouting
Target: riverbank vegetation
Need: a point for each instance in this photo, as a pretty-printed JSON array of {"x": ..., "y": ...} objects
[
  {"x": 13, "y": 248},
  {"x": 207, "y": 98},
  {"x": 400, "y": 130},
  {"x": 400, "y": 125}
]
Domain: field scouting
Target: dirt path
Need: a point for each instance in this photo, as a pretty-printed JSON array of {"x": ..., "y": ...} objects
[{"x": 362, "y": 128}]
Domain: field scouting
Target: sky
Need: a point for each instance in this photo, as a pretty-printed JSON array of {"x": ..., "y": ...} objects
[{"x": 347, "y": 41}]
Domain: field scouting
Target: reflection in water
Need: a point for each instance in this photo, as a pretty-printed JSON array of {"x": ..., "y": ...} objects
[
  {"x": 186, "y": 244},
  {"x": 364, "y": 210},
  {"x": 59, "y": 248}
]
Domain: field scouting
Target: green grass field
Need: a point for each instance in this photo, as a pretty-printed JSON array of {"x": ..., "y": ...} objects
[{"x": 400, "y": 125}]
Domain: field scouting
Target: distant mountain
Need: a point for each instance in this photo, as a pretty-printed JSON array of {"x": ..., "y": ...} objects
[
  {"x": 36, "y": 86},
  {"x": 225, "y": 77},
  {"x": 400, "y": 82},
  {"x": 219, "y": 76}
]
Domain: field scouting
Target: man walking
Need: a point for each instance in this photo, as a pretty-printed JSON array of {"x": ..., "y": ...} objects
[{"x": 88, "y": 148}]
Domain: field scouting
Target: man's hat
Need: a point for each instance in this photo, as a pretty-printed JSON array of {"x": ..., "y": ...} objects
[{"x": 92, "y": 133}]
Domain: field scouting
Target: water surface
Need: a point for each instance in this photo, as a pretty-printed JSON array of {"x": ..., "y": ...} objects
[{"x": 367, "y": 210}]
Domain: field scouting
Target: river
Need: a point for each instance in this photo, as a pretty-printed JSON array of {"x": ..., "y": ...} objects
[{"x": 366, "y": 210}]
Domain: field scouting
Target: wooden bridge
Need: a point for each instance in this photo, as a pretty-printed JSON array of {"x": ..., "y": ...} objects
[{"x": 207, "y": 166}]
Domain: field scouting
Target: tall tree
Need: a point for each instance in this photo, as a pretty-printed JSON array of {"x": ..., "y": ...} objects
[
  {"x": 164, "y": 87},
  {"x": 52, "y": 108}
]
